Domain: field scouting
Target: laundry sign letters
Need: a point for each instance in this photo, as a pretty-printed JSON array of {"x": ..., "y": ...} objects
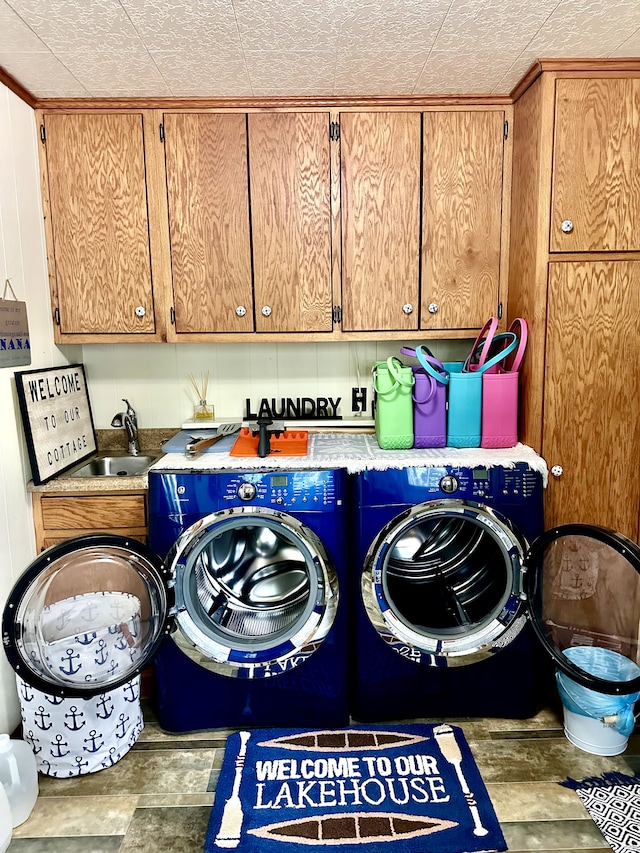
[
  {"x": 56, "y": 416},
  {"x": 290, "y": 408}
]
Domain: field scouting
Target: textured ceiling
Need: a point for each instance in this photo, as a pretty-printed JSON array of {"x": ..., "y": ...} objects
[{"x": 263, "y": 48}]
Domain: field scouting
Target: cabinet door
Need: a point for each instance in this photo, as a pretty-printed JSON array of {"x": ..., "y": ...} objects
[
  {"x": 462, "y": 218},
  {"x": 98, "y": 199},
  {"x": 596, "y": 166},
  {"x": 291, "y": 221},
  {"x": 380, "y": 159},
  {"x": 592, "y": 387},
  {"x": 208, "y": 195}
]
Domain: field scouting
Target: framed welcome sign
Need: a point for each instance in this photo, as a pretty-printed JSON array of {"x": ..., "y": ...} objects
[{"x": 57, "y": 419}]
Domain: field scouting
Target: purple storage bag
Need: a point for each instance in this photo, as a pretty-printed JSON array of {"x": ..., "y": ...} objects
[{"x": 429, "y": 399}]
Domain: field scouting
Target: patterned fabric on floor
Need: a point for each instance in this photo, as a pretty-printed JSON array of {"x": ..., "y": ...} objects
[{"x": 613, "y": 803}]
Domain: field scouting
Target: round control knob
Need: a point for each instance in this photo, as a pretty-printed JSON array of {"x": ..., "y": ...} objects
[
  {"x": 266, "y": 311},
  {"x": 241, "y": 310},
  {"x": 408, "y": 308},
  {"x": 140, "y": 311},
  {"x": 246, "y": 491},
  {"x": 433, "y": 308},
  {"x": 449, "y": 484},
  {"x": 557, "y": 470},
  {"x": 567, "y": 226}
]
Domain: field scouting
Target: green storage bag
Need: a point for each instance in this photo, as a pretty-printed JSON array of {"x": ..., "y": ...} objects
[{"x": 393, "y": 384}]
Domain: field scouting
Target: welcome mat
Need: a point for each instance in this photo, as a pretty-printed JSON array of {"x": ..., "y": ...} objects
[
  {"x": 406, "y": 789},
  {"x": 613, "y": 803}
]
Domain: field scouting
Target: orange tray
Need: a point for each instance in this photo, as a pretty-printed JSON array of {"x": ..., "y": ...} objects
[{"x": 289, "y": 443}]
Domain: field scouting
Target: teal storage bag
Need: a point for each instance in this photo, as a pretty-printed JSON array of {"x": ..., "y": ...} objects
[
  {"x": 393, "y": 387},
  {"x": 464, "y": 406}
]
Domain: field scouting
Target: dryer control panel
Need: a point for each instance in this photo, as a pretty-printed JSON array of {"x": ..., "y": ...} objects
[{"x": 517, "y": 491}]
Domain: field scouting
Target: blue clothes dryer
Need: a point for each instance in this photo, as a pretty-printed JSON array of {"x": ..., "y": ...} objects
[
  {"x": 259, "y": 560},
  {"x": 437, "y": 623}
]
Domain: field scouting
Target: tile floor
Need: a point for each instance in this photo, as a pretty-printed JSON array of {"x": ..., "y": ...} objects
[{"x": 158, "y": 797}]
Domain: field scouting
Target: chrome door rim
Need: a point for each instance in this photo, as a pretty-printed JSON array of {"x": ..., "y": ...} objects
[
  {"x": 438, "y": 647},
  {"x": 210, "y": 648}
]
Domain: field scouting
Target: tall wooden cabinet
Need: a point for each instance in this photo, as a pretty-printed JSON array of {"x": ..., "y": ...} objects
[{"x": 575, "y": 275}]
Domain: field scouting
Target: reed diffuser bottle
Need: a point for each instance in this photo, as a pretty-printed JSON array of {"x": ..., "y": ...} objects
[{"x": 202, "y": 411}]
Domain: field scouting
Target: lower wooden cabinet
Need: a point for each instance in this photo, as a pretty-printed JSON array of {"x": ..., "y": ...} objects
[{"x": 57, "y": 517}]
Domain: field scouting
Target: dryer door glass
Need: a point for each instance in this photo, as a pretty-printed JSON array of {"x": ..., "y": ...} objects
[
  {"x": 254, "y": 588},
  {"x": 583, "y": 584},
  {"x": 442, "y": 583},
  {"x": 86, "y": 616}
]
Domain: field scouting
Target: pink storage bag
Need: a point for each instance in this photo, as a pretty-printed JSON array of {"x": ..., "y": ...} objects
[
  {"x": 429, "y": 398},
  {"x": 500, "y": 398}
]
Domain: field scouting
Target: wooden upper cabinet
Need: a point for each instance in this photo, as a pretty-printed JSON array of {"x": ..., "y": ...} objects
[
  {"x": 596, "y": 166},
  {"x": 380, "y": 161},
  {"x": 208, "y": 197},
  {"x": 99, "y": 223},
  {"x": 290, "y": 189},
  {"x": 462, "y": 165}
]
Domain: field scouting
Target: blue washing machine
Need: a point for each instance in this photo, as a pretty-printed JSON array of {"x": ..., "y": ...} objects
[
  {"x": 260, "y": 563},
  {"x": 438, "y": 626}
]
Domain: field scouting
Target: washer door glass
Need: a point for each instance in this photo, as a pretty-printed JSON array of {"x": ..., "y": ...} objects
[
  {"x": 86, "y": 616},
  {"x": 254, "y": 588},
  {"x": 583, "y": 584},
  {"x": 442, "y": 583}
]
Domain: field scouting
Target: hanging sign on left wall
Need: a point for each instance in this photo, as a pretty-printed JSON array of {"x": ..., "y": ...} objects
[
  {"x": 15, "y": 347},
  {"x": 57, "y": 420}
]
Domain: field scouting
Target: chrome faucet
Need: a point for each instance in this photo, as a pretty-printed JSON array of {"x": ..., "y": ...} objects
[{"x": 128, "y": 420}]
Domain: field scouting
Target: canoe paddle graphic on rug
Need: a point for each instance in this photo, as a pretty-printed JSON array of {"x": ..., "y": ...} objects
[
  {"x": 446, "y": 740},
  {"x": 232, "y": 816}
]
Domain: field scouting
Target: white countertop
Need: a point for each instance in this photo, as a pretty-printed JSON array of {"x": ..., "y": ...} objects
[{"x": 356, "y": 453}]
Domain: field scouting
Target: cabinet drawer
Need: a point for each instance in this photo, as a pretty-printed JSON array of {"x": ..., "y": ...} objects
[{"x": 93, "y": 512}]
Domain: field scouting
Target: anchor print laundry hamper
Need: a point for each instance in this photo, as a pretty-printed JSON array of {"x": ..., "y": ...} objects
[{"x": 75, "y": 736}]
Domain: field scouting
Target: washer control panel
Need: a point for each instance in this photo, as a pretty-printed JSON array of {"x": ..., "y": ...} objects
[
  {"x": 287, "y": 490},
  {"x": 246, "y": 491}
]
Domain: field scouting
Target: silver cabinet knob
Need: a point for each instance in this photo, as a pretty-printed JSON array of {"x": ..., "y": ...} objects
[
  {"x": 140, "y": 311},
  {"x": 433, "y": 308},
  {"x": 567, "y": 226},
  {"x": 266, "y": 311},
  {"x": 241, "y": 310},
  {"x": 408, "y": 308},
  {"x": 557, "y": 470}
]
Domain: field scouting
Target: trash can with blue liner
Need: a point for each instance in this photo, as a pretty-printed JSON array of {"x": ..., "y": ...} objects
[
  {"x": 583, "y": 589},
  {"x": 599, "y": 723}
]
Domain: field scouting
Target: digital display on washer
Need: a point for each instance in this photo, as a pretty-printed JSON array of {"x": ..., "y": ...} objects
[
  {"x": 480, "y": 474},
  {"x": 279, "y": 480}
]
